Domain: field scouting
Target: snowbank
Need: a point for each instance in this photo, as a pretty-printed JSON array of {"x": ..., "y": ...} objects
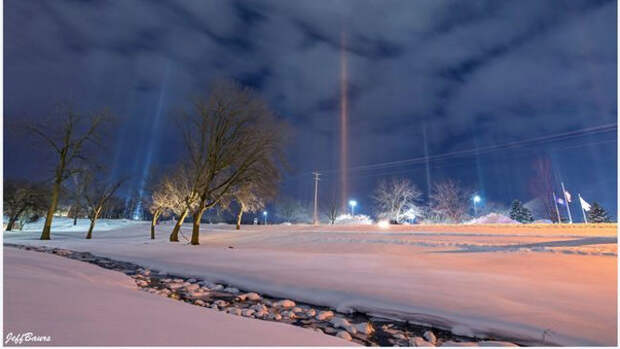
[
  {"x": 347, "y": 219},
  {"x": 66, "y": 224},
  {"x": 492, "y": 218},
  {"x": 77, "y": 304}
]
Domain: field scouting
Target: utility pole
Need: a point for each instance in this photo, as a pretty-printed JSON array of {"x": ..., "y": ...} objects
[
  {"x": 570, "y": 218},
  {"x": 316, "y": 197}
]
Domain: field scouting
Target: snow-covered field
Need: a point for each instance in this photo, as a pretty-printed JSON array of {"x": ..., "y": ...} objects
[{"x": 523, "y": 282}]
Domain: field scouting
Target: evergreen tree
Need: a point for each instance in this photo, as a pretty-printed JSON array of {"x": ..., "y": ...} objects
[
  {"x": 597, "y": 214},
  {"x": 520, "y": 213}
]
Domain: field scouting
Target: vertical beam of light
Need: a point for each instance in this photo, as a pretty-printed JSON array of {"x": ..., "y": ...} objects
[
  {"x": 343, "y": 122},
  {"x": 149, "y": 154},
  {"x": 428, "y": 164}
]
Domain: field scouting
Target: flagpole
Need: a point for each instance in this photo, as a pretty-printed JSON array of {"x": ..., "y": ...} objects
[
  {"x": 585, "y": 220},
  {"x": 570, "y": 218},
  {"x": 557, "y": 210}
]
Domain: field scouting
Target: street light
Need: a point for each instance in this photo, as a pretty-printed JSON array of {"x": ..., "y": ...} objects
[
  {"x": 476, "y": 200},
  {"x": 265, "y": 215},
  {"x": 352, "y": 203}
]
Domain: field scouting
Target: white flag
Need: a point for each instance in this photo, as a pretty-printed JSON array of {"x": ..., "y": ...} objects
[
  {"x": 567, "y": 194},
  {"x": 584, "y": 204}
]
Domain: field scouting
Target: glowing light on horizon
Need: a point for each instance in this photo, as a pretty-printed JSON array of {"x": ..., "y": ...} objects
[
  {"x": 383, "y": 224},
  {"x": 343, "y": 121}
]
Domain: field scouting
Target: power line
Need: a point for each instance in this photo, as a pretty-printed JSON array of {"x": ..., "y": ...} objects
[{"x": 483, "y": 150}]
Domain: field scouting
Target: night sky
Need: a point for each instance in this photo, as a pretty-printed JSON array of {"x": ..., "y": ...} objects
[{"x": 469, "y": 74}]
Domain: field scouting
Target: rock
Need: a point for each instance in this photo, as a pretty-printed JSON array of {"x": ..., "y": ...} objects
[
  {"x": 330, "y": 330},
  {"x": 318, "y": 330},
  {"x": 399, "y": 335},
  {"x": 259, "y": 307},
  {"x": 174, "y": 285},
  {"x": 430, "y": 337},
  {"x": 275, "y": 316},
  {"x": 214, "y": 306},
  {"x": 496, "y": 344},
  {"x": 297, "y": 310},
  {"x": 192, "y": 287},
  {"x": 311, "y": 312},
  {"x": 343, "y": 323},
  {"x": 199, "y": 302},
  {"x": 325, "y": 315},
  {"x": 261, "y": 314},
  {"x": 284, "y": 304},
  {"x": 191, "y": 281},
  {"x": 344, "y": 335},
  {"x": 419, "y": 342},
  {"x": 174, "y": 296},
  {"x": 231, "y": 290},
  {"x": 288, "y": 315},
  {"x": 252, "y": 296},
  {"x": 178, "y": 280},
  {"x": 365, "y": 328},
  {"x": 234, "y": 311},
  {"x": 247, "y": 312},
  {"x": 459, "y": 344},
  {"x": 216, "y": 287},
  {"x": 220, "y": 303}
]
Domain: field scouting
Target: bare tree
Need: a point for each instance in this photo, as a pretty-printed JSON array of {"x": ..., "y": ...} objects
[
  {"x": 397, "y": 199},
  {"x": 233, "y": 137},
  {"x": 541, "y": 186},
  {"x": 97, "y": 194},
  {"x": 76, "y": 196},
  {"x": 67, "y": 135},
  {"x": 181, "y": 195},
  {"x": 332, "y": 212},
  {"x": 252, "y": 196},
  {"x": 167, "y": 196},
  {"x": 291, "y": 210},
  {"x": 449, "y": 201},
  {"x": 22, "y": 199}
]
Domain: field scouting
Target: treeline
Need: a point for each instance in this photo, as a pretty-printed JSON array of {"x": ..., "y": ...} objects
[{"x": 233, "y": 152}]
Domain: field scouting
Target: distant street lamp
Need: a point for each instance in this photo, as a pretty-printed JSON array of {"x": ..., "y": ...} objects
[
  {"x": 265, "y": 215},
  {"x": 476, "y": 200},
  {"x": 352, "y": 203}
]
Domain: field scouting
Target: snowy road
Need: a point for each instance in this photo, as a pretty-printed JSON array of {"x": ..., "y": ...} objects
[{"x": 526, "y": 286}]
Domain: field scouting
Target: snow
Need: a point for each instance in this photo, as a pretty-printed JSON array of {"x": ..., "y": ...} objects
[
  {"x": 78, "y": 304},
  {"x": 503, "y": 280},
  {"x": 358, "y": 219},
  {"x": 493, "y": 218}
]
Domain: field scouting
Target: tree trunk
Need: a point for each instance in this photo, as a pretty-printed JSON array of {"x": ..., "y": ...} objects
[
  {"x": 12, "y": 221},
  {"x": 45, "y": 235},
  {"x": 75, "y": 215},
  {"x": 153, "y": 223},
  {"x": 196, "y": 226},
  {"x": 92, "y": 223},
  {"x": 239, "y": 218},
  {"x": 174, "y": 236}
]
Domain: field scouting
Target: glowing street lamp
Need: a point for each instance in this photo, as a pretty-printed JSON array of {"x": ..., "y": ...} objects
[
  {"x": 476, "y": 199},
  {"x": 265, "y": 215},
  {"x": 352, "y": 203}
]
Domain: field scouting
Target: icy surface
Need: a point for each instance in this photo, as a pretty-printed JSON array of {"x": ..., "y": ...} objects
[
  {"x": 525, "y": 282},
  {"x": 76, "y": 303}
]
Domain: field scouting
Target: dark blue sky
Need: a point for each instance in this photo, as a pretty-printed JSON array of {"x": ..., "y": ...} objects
[{"x": 474, "y": 73}]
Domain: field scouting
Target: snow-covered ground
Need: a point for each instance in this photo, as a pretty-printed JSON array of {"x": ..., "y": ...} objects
[
  {"x": 522, "y": 282},
  {"x": 75, "y": 303}
]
